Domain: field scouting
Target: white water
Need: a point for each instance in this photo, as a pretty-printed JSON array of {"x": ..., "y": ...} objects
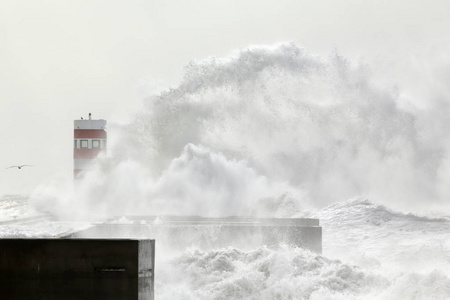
[
  {"x": 369, "y": 252},
  {"x": 277, "y": 131}
]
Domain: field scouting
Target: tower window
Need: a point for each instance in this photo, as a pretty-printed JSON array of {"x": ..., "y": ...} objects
[
  {"x": 95, "y": 143},
  {"x": 75, "y": 144},
  {"x": 84, "y": 144}
]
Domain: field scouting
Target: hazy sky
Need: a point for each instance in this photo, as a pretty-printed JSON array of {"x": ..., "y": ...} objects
[{"x": 60, "y": 60}]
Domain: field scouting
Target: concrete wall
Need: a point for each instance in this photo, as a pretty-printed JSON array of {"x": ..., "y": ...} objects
[
  {"x": 181, "y": 232},
  {"x": 76, "y": 269}
]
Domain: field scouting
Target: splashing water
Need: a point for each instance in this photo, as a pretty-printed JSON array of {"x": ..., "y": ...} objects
[
  {"x": 277, "y": 131},
  {"x": 267, "y": 122},
  {"x": 370, "y": 252}
]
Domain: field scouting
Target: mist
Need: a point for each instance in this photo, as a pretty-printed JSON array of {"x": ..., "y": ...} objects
[
  {"x": 211, "y": 113},
  {"x": 272, "y": 130}
]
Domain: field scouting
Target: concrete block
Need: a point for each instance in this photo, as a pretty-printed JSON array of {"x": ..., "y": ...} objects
[{"x": 76, "y": 269}]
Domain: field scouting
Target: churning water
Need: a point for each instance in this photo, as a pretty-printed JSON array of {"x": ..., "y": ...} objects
[{"x": 280, "y": 132}]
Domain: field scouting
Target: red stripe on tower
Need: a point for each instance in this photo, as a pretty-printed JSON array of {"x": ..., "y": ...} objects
[{"x": 89, "y": 141}]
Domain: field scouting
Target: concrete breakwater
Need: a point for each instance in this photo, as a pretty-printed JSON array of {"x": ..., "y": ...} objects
[
  {"x": 90, "y": 269},
  {"x": 115, "y": 258},
  {"x": 185, "y": 231}
]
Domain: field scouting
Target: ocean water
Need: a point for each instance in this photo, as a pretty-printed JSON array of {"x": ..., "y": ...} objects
[
  {"x": 279, "y": 132},
  {"x": 369, "y": 252}
]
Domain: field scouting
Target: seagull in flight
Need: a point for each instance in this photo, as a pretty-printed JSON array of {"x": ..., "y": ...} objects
[{"x": 20, "y": 167}]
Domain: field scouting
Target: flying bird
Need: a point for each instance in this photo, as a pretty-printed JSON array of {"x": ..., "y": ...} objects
[{"x": 20, "y": 167}]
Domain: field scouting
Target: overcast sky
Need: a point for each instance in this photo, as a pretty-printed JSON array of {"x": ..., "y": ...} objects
[{"x": 61, "y": 59}]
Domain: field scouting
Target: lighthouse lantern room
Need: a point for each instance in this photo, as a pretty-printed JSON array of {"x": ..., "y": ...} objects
[{"x": 89, "y": 141}]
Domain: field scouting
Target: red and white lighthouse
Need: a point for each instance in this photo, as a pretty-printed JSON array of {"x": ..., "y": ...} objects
[{"x": 89, "y": 141}]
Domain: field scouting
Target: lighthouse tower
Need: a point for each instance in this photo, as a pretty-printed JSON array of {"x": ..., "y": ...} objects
[{"x": 89, "y": 141}]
